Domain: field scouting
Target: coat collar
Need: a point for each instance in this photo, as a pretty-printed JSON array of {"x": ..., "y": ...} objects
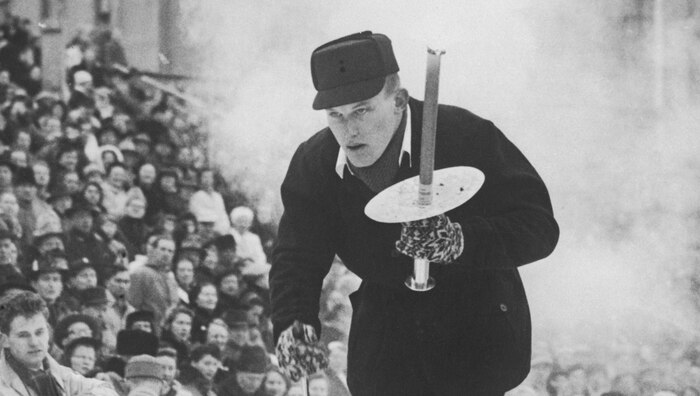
[{"x": 9, "y": 377}]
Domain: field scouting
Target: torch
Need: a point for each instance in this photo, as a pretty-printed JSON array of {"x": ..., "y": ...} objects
[{"x": 431, "y": 192}]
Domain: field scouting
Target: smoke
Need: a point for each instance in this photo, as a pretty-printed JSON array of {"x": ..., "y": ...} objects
[{"x": 572, "y": 84}]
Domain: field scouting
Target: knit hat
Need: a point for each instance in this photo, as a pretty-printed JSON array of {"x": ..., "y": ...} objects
[{"x": 143, "y": 366}]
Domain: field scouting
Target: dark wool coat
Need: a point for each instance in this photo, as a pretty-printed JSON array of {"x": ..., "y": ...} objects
[{"x": 471, "y": 334}]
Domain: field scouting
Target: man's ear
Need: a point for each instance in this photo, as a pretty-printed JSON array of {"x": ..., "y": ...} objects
[{"x": 400, "y": 100}]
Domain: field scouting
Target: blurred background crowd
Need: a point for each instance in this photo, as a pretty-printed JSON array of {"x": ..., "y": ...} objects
[{"x": 112, "y": 213}]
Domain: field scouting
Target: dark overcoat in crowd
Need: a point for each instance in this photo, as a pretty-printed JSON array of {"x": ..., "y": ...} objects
[
  {"x": 81, "y": 245},
  {"x": 471, "y": 334}
]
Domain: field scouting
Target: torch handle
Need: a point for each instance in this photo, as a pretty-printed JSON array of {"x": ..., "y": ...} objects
[{"x": 430, "y": 105}]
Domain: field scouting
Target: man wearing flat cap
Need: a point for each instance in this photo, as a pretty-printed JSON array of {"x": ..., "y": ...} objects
[{"x": 470, "y": 334}]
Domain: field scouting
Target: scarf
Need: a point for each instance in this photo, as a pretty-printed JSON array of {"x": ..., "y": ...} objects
[{"x": 40, "y": 381}]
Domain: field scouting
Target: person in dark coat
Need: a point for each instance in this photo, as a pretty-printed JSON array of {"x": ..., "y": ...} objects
[
  {"x": 83, "y": 242},
  {"x": 203, "y": 299},
  {"x": 471, "y": 334}
]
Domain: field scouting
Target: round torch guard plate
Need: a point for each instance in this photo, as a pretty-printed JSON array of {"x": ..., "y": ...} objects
[
  {"x": 399, "y": 203},
  {"x": 451, "y": 188}
]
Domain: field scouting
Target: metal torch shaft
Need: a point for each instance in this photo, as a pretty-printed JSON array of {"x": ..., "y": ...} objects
[
  {"x": 427, "y": 151},
  {"x": 421, "y": 267}
]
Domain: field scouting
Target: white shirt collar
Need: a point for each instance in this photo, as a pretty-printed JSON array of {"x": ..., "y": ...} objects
[{"x": 342, "y": 160}]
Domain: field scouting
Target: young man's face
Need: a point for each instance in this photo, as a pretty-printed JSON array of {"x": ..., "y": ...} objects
[
  {"x": 162, "y": 254},
  {"x": 119, "y": 284},
  {"x": 49, "y": 286},
  {"x": 363, "y": 129},
  {"x": 28, "y": 340}
]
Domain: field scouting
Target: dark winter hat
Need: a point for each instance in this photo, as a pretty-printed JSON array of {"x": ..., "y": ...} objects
[
  {"x": 94, "y": 296},
  {"x": 80, "y": 264},
  {"x": 253, "y": 359},
  {"x": 143, "y": 366},
  {"x": 82, "y": 341},
  {"x": 351, "y": 69},
  {"x": 24, "y": 176},
  {"x": 235, "y": 318},
  {"x": 136, "y": 342},
  {"x": 61, "y": 331},
  {"x": 139, "y": 316},
  {"x": 54, "y": 261}
]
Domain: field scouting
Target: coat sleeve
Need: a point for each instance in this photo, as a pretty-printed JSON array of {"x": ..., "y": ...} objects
[
  {"x": 510, "y": 221},
  {"x": 77, "y": 385},
  {"x": 305, "y": 246},
  {"x": 136, "y": 290}
]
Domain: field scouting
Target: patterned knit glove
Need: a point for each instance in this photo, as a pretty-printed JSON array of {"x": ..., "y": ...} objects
[
  {"x": 436, "y": 239},
  {"x": 299, "y": 353}
]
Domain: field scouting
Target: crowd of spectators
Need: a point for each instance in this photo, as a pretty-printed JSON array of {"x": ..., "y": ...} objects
[{"x": 109, "y": 212}]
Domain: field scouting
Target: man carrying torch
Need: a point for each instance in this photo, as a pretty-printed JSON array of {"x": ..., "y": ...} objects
[{"x": 470, "y": 334}]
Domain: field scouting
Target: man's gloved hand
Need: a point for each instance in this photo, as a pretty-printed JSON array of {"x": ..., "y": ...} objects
[
  {"x": 299, "y": 353},
  {"x": 436, "y": 239}
]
